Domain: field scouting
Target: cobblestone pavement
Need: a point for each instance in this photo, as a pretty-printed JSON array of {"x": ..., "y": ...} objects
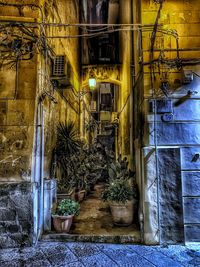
[{"x": 87, "y": 254}]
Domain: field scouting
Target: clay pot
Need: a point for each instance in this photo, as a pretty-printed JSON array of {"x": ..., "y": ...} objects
[
  {"x": 61, "y": 196},
  {"x": 80, "y": 195},
  {"x": 122, "y": 213},
  {"x": 62, "y": 223},
  {"x": 99, "y": 188}
]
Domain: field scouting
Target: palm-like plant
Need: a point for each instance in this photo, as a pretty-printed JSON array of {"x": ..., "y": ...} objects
[
  {"x": 67, "y": 145},
  {"x": 67, "y": 142}
]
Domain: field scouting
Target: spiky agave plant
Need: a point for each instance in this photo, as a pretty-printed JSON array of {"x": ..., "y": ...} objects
[
  {"x": 68, "y": 142},
  {"x": 67, "y": 145}
]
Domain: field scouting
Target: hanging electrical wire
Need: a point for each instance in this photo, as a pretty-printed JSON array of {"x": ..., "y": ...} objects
[
  {"x": 19, "y": 42},
  {"x": 196, "y": 74}
]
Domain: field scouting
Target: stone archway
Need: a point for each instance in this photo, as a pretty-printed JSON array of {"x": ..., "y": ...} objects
[{"x": 102, "y": 73}]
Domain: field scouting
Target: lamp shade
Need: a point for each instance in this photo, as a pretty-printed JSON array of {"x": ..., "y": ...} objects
[{"x": 92, "y": 83}]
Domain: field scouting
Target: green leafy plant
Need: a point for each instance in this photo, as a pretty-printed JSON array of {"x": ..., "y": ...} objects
[
  {"x": 118, "y": 190},
  {"x": 91, "y": 125},
  {"x": 68, "y": 141},
  {"x": 121, "y": 186},
  {"x": 88, "y": 166},
  {"x": 76, "y": 166},
  {"x": 119, "y": 169},
  {"x": 67, "y": 144},
  {"x": 67, "y": 207}
]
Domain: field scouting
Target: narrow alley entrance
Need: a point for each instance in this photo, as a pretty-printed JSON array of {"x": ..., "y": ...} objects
[{"x": 95, "y": 224}]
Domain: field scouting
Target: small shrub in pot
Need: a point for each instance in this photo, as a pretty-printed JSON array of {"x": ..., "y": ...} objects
[{"x": 64, "y": 214}]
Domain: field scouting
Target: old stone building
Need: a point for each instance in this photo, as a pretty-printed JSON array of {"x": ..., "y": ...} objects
[{"x": 144, "y": 56}]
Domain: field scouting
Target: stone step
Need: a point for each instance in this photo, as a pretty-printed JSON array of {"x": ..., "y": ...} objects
[{"x": 118, "y": 239}]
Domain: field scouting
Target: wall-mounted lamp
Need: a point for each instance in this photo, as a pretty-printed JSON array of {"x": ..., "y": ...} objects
[{"x": 92, "y": 83}]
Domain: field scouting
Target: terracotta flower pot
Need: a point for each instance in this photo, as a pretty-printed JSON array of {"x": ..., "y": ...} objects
[
  {"x": 62, "y": 223},
  {"x": 80, "y": 195},
  {"x": 70, "y": 195},
  {"x": 122, "y": 213},
  {"x": 99, "y": 188}
]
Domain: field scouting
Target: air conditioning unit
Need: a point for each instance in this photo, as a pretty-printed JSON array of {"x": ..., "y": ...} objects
[{"x": 60, "y": 77}]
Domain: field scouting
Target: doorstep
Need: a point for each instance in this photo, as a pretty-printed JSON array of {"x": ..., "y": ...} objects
[{"x": 115, "y": 239}]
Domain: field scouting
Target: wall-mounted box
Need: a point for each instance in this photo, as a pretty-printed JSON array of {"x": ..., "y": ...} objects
[
  {"x": 161, "y": 105},
  {"x": 187, "y": 76}
]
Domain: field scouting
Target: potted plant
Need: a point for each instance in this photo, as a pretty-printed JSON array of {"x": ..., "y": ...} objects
[
  {"x": 77, "y": 177},
  {"x": 121, "y": 193},
  {"x": 97, "y": 161},
  {"x": 66, "y": 191},
  {"x": 67, "y": 145},
  {"x": 88, "y": 168},
  {"x": 64, "y": 214}
]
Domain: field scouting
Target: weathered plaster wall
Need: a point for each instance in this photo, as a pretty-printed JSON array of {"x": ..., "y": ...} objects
[
  {"x": 67, "y": 100},
  {"x": 17, "y": 101},
  {"x": 30, "y": 109},
  {"x": 125, "y": 77},
  {"x": 181, "y": 133},
  {"x": 21, "y": 90}
]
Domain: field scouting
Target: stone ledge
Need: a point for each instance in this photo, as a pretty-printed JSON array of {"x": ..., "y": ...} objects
[{"x": 120, "y": 239}]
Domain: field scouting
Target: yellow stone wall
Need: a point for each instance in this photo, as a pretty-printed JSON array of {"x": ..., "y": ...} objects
[
  {"x": 17, "y": 101},
  {"x": 181, "y": 16},
  {"x": 125, "y": 89},
  {"x": 18, "y": 116},
  {"x": 67, "y": 106},
  {"x": 18, "y": 107}
]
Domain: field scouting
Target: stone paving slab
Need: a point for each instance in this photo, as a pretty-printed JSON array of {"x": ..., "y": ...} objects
[{"x": 65, "y": 254}]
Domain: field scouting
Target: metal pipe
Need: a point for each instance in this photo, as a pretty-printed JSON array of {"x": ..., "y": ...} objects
[
  {"x": 132, "y": 77},
  {"x": 157, "y": 178},
  {"x": 173, "y": 49},
  {"x": 17, "y": 80},
  {"x": 81, "y": 24}
]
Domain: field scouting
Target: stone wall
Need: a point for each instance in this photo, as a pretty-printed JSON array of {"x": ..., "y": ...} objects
[
  {"x": 17, "y": 102},
  {"x": 179, "y": 135},
  {"x": 125, "y": 39},
  {"x": 30, "y": 110},
  {"x": 64, "y": 104},
  {"x": 170, "y": 196},
  {"x": 16, "y": 215},
  {"x": 22, "y": 88}
]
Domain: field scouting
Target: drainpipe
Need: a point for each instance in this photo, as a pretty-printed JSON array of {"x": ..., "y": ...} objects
[
  {"x": 41, "y": 191},
  {"x": 132, "y": 93},
  {"x": 38, "y": 170},
  {"x": 136, "y": 146}
]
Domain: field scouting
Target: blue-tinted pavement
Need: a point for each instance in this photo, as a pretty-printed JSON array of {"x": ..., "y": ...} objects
[{"x": 87, "y": 254}]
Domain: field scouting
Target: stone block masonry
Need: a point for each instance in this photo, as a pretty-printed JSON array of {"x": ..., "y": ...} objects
[{"x": 16, "y": 215}]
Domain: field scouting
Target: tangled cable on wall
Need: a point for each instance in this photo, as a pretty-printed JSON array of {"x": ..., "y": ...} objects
[{"x": 19, "y": 42}]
